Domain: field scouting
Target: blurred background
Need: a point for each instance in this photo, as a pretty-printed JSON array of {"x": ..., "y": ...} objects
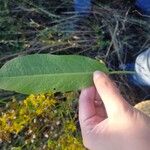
[{"x": 115, "y": 31}]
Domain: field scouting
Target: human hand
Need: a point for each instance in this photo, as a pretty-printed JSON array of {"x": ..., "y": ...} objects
[{"x": 108, "y": 122}]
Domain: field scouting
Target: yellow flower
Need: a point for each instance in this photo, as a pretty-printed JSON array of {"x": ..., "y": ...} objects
[
  {"x": 41, "y": 108},
  {"x": 9, "y": 123},
  {"x": 70, "y": 126},
  {"x": 69, "y": 142},
  {"x": 13, "y": 121}
]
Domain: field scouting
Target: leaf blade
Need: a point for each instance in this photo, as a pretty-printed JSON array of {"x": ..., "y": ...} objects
[{"x": 41, "y": 73}]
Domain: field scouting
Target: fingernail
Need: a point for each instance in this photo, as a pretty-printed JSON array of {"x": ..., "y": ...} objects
[{"x": 97, "y": 74}]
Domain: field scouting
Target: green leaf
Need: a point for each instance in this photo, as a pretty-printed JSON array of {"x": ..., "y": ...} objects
[{"x": 41, "y": 73}]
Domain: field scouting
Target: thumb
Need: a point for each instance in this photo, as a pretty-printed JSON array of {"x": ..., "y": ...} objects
[{"x": 113, "y": 101}]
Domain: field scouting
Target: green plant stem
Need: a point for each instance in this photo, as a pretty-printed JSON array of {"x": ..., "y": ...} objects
[{"x": 122, "y": 72}]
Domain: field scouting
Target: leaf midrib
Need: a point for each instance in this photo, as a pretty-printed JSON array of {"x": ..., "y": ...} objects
[{"x": 54, "y": 74}]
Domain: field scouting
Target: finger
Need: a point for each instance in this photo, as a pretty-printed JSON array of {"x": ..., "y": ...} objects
[
  {"x": 110, "y": 95},
  {"x": 86, "y": 104}
]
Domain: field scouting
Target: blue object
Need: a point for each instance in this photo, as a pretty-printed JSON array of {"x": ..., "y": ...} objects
[
  {"x": 144, "y": 5},
  {"x": 82, "y": 6}
]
